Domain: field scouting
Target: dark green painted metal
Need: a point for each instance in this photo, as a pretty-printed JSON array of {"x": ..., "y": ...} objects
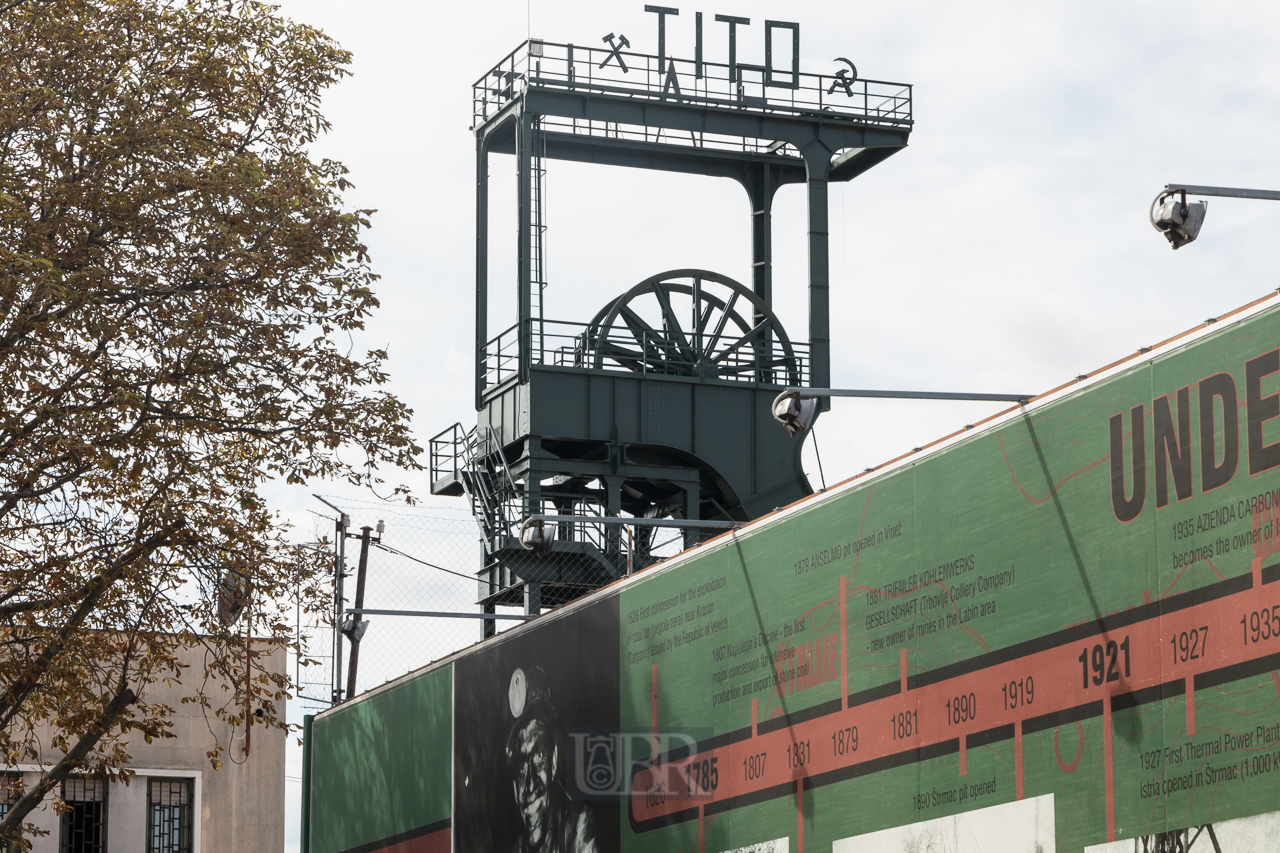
[
  {"x": 308, "y": 742},
  {"x": 482, "y": 260},
  {"x": 699, "y": 444}
]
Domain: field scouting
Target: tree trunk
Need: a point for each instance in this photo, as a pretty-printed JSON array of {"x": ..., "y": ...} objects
[{"x": 11, "y": 826}]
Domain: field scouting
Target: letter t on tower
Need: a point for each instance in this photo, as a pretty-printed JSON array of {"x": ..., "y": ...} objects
[{"x": 662, "y": 12}]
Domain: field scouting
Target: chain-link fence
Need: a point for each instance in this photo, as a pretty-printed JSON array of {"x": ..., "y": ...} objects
[{"x": 433, "y": 564}]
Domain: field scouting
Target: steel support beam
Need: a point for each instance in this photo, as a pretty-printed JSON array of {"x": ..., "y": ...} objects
[
  {"x": 838, "y": 131},
  {"x": 689, "y": 159},
  {"x": 761, "y": 184},
  {"x": 818, "y": 164},
  {"x": 482, "y": 263},
  {"x": 532, "y": 598},
  {"x": 524, "y": 224},
  {"x": 907, "y": 395},
  {"x": 670, "y": 157},
  {"x": 619, "y": 521},
  {"x": 542, "y": 464}
]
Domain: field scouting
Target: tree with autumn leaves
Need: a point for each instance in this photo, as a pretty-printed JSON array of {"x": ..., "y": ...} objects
[{"x": 178, "y": 281}]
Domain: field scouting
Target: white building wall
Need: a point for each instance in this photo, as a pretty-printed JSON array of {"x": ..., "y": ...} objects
[
  {"x": 44, "y": 819},
  {"x": 238, "y": 808},
  {"x": 126, "y": 812},
  {"x": 127, "y": 816}
]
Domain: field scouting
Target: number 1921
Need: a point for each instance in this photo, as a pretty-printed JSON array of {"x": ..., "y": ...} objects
[{"x": 1103, "y": 662}]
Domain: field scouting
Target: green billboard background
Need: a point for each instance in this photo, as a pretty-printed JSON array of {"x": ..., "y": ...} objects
[
  {"x": 1077, "y": 600},
  {"x": 380, "y": 769}
]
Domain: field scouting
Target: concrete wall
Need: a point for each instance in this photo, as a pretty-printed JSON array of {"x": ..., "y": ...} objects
[{"x": 239, "y": 807}]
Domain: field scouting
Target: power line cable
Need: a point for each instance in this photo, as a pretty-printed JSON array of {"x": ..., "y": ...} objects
[{"x": 423, "y": 562}]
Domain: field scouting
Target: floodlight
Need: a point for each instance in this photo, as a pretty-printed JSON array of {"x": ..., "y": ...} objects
[
  {"x": 1179, "y": 221},
  {"x": 1175, "y": 218},
  {"x": 354, "y": 630},
  {"x": 794, "y": 412},
  {"x": 536, "y": 536}
]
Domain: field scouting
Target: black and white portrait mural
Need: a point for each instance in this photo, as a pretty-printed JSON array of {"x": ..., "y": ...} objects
[{"x": 518, "y": 705}]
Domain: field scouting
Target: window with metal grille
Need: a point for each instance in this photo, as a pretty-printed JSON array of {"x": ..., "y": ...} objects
[
  {"x": 169, "y": 815},
  {"x": 10, "y": 791},
  {"x": 84, "y": 824}
]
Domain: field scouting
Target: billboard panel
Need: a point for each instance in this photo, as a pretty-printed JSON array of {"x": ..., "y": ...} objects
[
  {"x": 1077, "y": 602},
  {"x": 380, "y": 770},
  {"x": 520, "y": 704}
]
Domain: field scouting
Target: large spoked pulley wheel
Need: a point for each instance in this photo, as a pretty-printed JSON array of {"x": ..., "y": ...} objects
[{"x": 693, "y": 323}]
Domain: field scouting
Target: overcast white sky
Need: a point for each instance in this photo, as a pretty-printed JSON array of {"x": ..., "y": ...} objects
[{"x": 1007, "y": 249}]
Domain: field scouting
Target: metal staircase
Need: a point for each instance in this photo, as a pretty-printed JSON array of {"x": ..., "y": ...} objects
[
  {"x": 581, "y": 555},
  {"x": 470, "y": 462}
]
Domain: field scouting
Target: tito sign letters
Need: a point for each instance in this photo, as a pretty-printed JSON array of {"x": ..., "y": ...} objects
[{"x": 780, "y": 78}]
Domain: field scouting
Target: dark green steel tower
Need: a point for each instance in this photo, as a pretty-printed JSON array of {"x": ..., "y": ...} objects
[{"x": 659, "y": 406}]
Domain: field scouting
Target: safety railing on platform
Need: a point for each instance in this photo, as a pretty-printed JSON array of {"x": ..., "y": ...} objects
[
  {"x": 614, "y": 71},
  {"x": 753, "y": 357},
  {"x": 447, "y": 450}
]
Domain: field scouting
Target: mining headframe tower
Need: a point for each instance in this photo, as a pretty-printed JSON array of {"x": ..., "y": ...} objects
[{"x": 657, "y": 407}]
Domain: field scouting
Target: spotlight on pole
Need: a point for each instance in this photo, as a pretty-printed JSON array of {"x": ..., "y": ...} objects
[
  {"x": 1177, "y": 220},
  {"x": 796, "y": 412},
  {"x": 536, "y": 536},
  {"x": 1180, "y": 221}
]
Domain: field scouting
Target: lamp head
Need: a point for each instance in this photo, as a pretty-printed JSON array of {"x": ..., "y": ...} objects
[
  {"x": 536, "y": 536},
  {"x": 1177, "y": 220},
  {"x": 794, "y": 412}
]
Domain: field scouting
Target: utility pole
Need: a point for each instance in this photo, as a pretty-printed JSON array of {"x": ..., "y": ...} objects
[
  {"x": 339, "y": 572},
  {"x": 340, "y": 525},
  {"x": 355, "y": 628}
]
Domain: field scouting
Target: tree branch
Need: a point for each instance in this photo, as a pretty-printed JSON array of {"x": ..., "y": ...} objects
[
  {"x": 11, "y": 826},
  {"x": 22, "y": 687},
  {"x": 7, "y": 610}
]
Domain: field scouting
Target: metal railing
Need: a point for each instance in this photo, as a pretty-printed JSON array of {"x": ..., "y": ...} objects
[
  {"x": 635, "y": 542},
  {"x": 756, "y": 358},
  {"x": 623, "y": 73},
  {"x": 447, "y": 450},
  {"x": 501, "y": 505}
]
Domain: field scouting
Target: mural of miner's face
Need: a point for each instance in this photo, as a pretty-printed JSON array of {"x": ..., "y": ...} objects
[
  {"x": 516, "y": 724},
  {"x": 536, "y": 761}
]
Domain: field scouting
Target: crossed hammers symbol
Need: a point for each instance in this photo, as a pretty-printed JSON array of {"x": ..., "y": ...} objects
[{"x": 616, "y": 52}]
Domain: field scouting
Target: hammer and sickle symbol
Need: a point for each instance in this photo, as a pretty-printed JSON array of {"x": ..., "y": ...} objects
[
  {"x": 616, "y": 50},
  {"x": 844, "y": 78}
]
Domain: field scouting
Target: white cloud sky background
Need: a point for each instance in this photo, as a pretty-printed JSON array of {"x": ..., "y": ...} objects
[{"x": 1006, "y": 249}]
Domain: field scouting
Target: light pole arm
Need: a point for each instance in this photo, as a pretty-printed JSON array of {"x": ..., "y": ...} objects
[
  {"x": 796, "y": 408},
  {"x": 907, "y": 395},
  {"x": 1224, "y": 192}
]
